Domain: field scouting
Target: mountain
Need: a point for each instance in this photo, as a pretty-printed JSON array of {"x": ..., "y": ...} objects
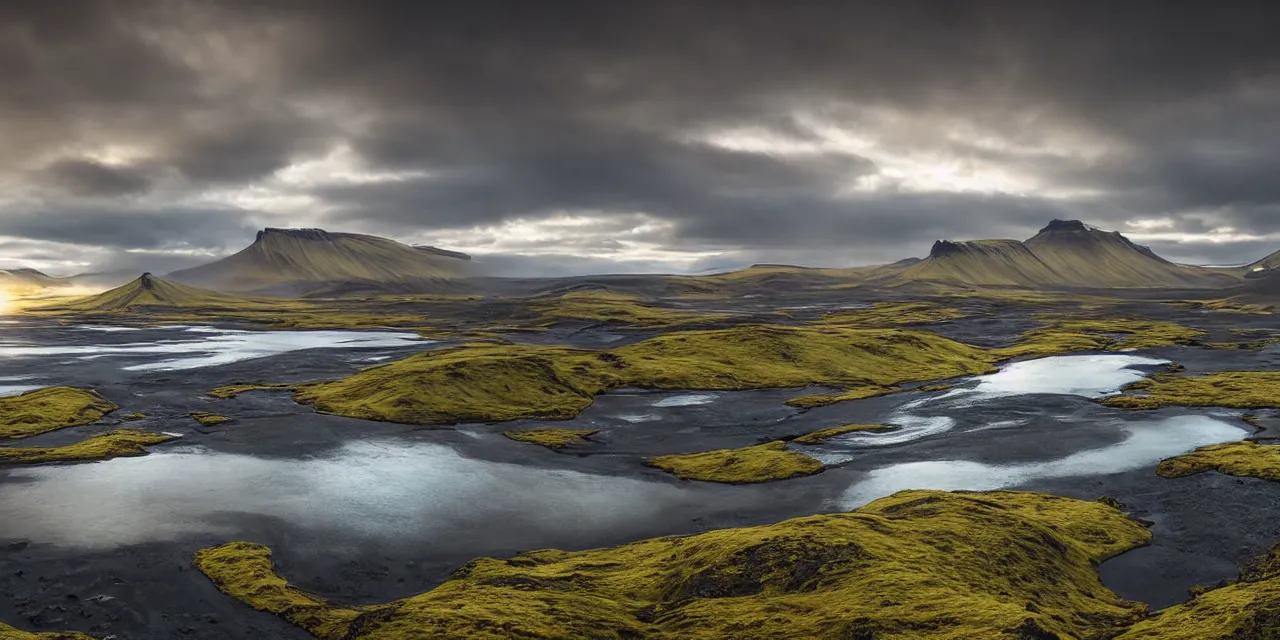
[
  {"x": 296, "y": 261},
  {"x": 27, "y": 278},
  {"x": 149, "y": 292},
  {"x": 1065, "y": 253}
]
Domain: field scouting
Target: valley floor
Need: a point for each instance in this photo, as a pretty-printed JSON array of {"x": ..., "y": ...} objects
[{"x": 362, "y": 511}]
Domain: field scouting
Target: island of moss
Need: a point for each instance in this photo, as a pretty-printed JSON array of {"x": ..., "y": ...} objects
[
  {"x": 1245, "y": 458},
  {"x": 1235, "y": 389},
  {"x": 917, "y": 564},
  {"x": 10, "y": 633},
  {"x": 50, "y": 409},
  {"x": 208, "y": 419},
  {"x": 550, "y": 437},
  {"x": 767, "y": 462},
  {"x": 116, "y": 444},
  {"x": 818, "y": 437},
  {"x": 233, "y": 390}
]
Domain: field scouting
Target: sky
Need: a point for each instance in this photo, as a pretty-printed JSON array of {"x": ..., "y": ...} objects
[{"x": 558, "y": 137}]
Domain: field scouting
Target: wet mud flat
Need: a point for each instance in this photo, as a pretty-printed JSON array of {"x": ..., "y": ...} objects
[{"x": 364, "y": 511}]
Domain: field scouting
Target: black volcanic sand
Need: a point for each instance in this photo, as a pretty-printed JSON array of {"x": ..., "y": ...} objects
[{"x": 364, "y": 511}]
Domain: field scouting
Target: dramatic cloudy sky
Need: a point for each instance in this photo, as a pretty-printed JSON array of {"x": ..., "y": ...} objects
[{"x": 602, "y": 135}]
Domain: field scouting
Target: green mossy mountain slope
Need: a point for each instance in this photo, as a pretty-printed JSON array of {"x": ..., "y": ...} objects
[
  {"x": 950, "y": 566},
  {"x": 298, "y": 260},
  {"x": 149, "y": 293}
]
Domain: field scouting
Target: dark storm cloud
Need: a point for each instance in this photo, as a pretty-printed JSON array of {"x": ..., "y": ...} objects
[
  {"x": 517, "y": 110},
  {"x": 89, "y": 178}
]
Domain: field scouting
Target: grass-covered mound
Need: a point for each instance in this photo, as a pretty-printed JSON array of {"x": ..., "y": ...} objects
[
  {"x": 894, "y": 314},
  {"x": 506, "y": 382},
  {"x": 1065, "y": 334},
  {"x": 761, "y": 463},
  {"x": 818, "y": 437},
  {"x": 823, "y": 399},
  {"x": 50, "y": 409},
  {"x": 918, "y": 564},
  {"x": 606, "y": 306},
  {"x": 1245, "y": 458},
  {"x": 116, "y": 444},
  {"x": 207, "y": 419},
  {"x": 551, "y": 437},
  {"x": 233, "y": 390},
  {"x": 1236, "y": 389},
  {"x": 150, "y": 292},
  {"x": 10, "y": 633},
  {"x": 1247, "y": 608}
]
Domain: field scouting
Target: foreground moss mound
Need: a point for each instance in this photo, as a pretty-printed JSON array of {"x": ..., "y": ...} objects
[
  {"x": 1245, "y": 458},
  {"x": 1247, "y": 608},
  {"x": 1236, "y": 389},
  {"x": 9, "y": 633},
  {"x": 917, "y": 564},
  {"x": 506, "y": 382},
  {"x": 116, "y": 444},
  {"x": 551, "y": 438},
  {"x": 761, "y": 463},
  {"x": 50, "y": 409},
  {"x": 818, "y": 437}
]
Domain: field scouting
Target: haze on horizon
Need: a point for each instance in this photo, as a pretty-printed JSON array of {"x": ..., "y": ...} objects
[{"x": 562, "y": 137}]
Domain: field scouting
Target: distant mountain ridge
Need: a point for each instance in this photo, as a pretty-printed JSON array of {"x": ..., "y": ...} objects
[
  {"x": 1064, "y": 253},
  {"x": 28, "y": 278},
  {"x": 296, "y": 261}
]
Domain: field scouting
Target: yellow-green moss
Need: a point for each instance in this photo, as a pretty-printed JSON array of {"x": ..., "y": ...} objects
[
  {"x": 116, "y": 444},
  {"x": 1065, "y": 334},
  {"x": 824, "y": 399},
  {"x": 930, "y": 388},
  {"x": 550, "y": 437},
  {"x": 817, "y": 437},
  {"x": 949, "y": 566},
  {"x": 504, "y": 382},
  {"x": 10, "y": 633},
  {"x": 1245, "y": 458},
  {"x": 206, "y": 418},
  {"x": 233, "y": 390},
  {"x": 761, "y": 463},
  {"x": 1236, "y": 389},
  {"x": 1247, "y": 608},
  {"x": 608, "y": 306},
  {"x": 893, "y": 314},
  {"x": 137, "y": 415},
  {"x": 50, "y": 409}
]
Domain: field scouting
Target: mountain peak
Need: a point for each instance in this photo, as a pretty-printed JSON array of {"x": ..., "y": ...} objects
[
  {"x": 944, "y": 247},
  {"x": 301, "y": 234},
  {"x": 1057, "y": 225}
]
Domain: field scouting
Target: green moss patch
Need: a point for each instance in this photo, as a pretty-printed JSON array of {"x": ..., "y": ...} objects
[
  {"x": 762, "y": 463},
  {"x": 1065, "y": 334},
  {"x": 233, "y": 390},
  {"x": 818, "y": 437},
  {"x": 551, "y": 438},
  {"x": 1235, "y": 389},
  {"x": 44, "y": 410},
  {"x": 1245, "y": 458},
  {"x": 116, "y": 444},
  {"x": 917, "y": 564},
  {"x": 10, "y": 633},
  {"x": 483, "y": 382},
  {"x": 894, "y": 314},
  {"x": 206, "y": 418},
  {"x": 610, "y": 307}
]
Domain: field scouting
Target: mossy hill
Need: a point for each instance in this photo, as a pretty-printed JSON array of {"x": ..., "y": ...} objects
[
  {"x": 150, "y": 293},
  {"x": 295, "y": 261}
]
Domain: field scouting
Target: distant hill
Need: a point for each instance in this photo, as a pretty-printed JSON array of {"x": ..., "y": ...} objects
[
  {"x": 1065, "y": 253},
  {"x": 28, "y": 278},
  {"x": 148, "y": 292},
  {"x": 297, "y": 261}
]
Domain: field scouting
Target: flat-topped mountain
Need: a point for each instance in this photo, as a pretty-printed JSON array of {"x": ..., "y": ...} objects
[
  {"x": 296, "y": 261},
  {"x": 1064, "y": 253},
  {"x": 150, "y": 292}
]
